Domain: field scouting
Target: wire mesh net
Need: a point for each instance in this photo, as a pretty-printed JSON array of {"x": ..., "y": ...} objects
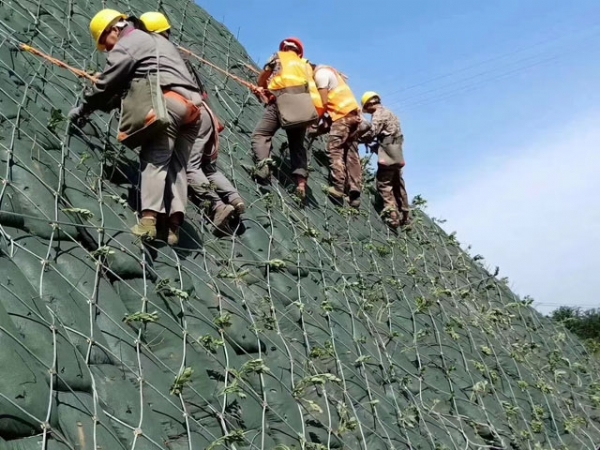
[{"x": 310, "y": 328}]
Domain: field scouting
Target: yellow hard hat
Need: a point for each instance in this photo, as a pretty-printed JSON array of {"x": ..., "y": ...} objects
[
  {"x": 369, "y": 95},
  {"x": 155, "y": 22},
  {"x": 100, "y": 23}
]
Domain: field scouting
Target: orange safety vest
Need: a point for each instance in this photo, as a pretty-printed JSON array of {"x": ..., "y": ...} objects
[
  {"x": 293, "y": 72},
  {"x": 340, "y": 101},
  {"x": 314, "y": 92}
]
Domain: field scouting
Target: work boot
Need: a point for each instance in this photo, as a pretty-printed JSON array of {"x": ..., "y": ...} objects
[
  {"x": 301, "y": 186},
  {"x": 162, "y": 226},
  {"x": 262, "y": 173},
  {"x": 333, "y": 192},
  {"x": 354, "y": 199},
  {"x": 173, "y": 237},
  {"x": 175, "y": 221},
  {"x": 394, "y": 220},
  {"x": 335, "y": 196},
  {"x": 406, "y": 219},
  {"x": 239, "y": 206},
  {"x": 222, "y": 215},
  {"x": 145, "y": 228}
]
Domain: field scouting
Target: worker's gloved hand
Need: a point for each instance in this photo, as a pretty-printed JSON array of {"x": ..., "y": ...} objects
[
  {"x": 311, "y": 131},
  {"x": 374, "y": 147},
  {"x": 78, "y": 116},
  {"x": 262, "y": 94},
  {"x": 76, "y": 113},
  {"x": 317, "y": 130},
  {"x": 323, "y": 126}
]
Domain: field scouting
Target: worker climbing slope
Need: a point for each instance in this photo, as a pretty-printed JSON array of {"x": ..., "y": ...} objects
[
  {"x": 285, "y": 88},
  {"x": 387, "y": 139},
  {"x": 343, "y": 112},
  {"x": 165, "y": 125},
  {"x": 205, "y": 180}
]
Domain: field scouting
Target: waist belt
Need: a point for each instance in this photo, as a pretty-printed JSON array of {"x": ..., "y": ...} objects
[{"x": 193, "y": 111}]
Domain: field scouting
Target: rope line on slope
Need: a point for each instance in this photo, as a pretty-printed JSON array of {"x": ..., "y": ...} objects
[
  {"x": 83, "y": 74},
  {"x": 57, "y": 62},
  {"x": 241, "y": 81}
]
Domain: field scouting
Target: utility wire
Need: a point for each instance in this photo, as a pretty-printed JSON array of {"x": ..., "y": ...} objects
[
  {"x": 422, "y": 98},
  {"x": 498, "y": 57}
]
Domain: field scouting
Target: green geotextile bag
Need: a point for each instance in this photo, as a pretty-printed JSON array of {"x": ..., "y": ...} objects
[{"x": 143, "y": 110}]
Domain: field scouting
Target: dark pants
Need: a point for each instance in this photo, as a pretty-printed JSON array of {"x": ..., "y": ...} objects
[
  {"x": 208, "y": 183},
  {"x": 204, "y": 178},
  {"x": 344, "y": 161},
  {"x": 392, "y": 189},
  {"x": 262, "y": 141}
]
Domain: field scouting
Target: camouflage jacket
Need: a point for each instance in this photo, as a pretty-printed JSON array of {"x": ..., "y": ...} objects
[{"x": 383, "y": 123}]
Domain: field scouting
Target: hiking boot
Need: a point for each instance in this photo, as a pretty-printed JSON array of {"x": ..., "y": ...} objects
[
  {"x": 301, "y": 187},
  {"x": 239, "y": 206},
  {"x": 263, "y": 174},
  {"x": 173, "y": 237},
  {"x": 336, "y": 197},
  {"x": 145, "y": 228},
  {"x": 406, "y": 219},
  {"x": 222, "y": 215},
  {"x": 355, "y": 203},
  {"x": 354, "y": 199},
  {"x": 394, "y": 220},
  {"x": 162, "y": 226},
  {"x": 333, "y": 192}
]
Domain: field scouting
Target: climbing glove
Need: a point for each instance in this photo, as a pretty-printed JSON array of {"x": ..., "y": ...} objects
[
  {"x": 75, "y": 113},
  {"x": 78, "y": 116},
  {"x": 319, "y": 129},
  {"x": 373, "y": 147}
]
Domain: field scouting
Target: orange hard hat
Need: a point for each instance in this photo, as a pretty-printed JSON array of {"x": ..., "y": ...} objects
[{"x": 293, "y": 42}]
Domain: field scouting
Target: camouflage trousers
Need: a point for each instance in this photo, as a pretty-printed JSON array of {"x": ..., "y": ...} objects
[
  {"x": 344, "y": 161},
  {"x": 392, "y": 189}
]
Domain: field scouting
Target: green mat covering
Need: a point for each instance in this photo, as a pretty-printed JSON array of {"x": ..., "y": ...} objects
[{"x": 311, "y": 328}]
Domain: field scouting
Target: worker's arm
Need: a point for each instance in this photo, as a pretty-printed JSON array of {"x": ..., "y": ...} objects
[
  {"x": 324, "y": 93},
  {"x": 269, "y": 67},
  {"x": 263, "y": 78},
  {"x": 115, "y": 77},
  {"x": 323, "y": 79},
  {"x": 377, "y": 125}
]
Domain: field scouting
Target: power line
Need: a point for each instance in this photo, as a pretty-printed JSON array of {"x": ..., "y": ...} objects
[
  {"x": 557, "y": 23},
  {"x": 422, "y": 98},
  {"x": 471, "y": 87}
]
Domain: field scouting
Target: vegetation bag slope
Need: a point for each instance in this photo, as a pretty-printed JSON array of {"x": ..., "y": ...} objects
[{"x": 310, "y": 328}]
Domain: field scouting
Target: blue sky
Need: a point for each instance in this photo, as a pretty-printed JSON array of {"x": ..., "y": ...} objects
[{"x": 499, "y": 105}]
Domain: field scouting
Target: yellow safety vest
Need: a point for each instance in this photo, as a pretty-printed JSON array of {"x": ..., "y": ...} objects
[
  {"x": 314, "y": 92},
  {"x": 293, "y": 72},
  {"x": 341, "y": 100}
]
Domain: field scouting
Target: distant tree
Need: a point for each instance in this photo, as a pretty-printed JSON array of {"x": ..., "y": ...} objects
[{"x": 584, "y": 323}]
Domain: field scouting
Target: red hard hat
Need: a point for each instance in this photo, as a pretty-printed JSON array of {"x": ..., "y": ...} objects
[{"x": 294, "y": 42}]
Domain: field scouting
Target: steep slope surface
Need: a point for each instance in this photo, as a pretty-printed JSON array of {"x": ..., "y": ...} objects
[{"x": 312, "y": 328}]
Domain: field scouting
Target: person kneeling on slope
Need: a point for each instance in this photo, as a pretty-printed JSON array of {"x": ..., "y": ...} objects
[
  {"x": 386, "y": 131},
  {"x": 202, "y": 172},
  {"x": 284, "y": 85},
  {"x": 135, "y": 61}
]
